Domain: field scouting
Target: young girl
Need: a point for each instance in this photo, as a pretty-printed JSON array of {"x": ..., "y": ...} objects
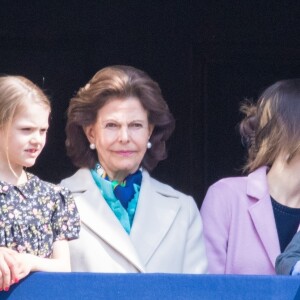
[{"x": 37, "y": 218}]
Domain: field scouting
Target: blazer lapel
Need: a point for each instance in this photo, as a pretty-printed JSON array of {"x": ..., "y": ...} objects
[
  {"x": 262, "y": 213},
  {"x": 99, "y": 218},
  {"x": 156, "y": 212}
]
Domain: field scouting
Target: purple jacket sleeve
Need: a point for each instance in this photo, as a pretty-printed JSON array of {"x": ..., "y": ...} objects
[{"x": 216, "y": 216}]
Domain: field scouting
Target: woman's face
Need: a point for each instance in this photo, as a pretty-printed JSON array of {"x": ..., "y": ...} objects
[{"x": 120, "y": 134}]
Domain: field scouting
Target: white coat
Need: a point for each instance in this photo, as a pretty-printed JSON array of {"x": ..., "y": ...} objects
[{"x": 166, "y": 234}]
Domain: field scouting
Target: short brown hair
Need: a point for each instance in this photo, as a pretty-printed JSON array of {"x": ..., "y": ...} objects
[
  {"x": 272, "y": 125},
  {"x": 121, "y": 82}
]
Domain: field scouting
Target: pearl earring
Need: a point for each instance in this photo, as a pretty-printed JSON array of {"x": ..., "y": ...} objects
[
  {"x": 92, "y": 146},
  {"x": 149, "y": 145}
]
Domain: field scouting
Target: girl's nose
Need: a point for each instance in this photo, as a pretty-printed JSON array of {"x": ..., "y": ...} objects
[{"x": 36, "y": 138}]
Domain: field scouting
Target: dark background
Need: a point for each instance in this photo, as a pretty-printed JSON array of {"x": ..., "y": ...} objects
[{"x": 207, "y": 57}]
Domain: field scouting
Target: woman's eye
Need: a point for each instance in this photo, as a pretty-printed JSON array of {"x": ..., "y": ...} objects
[
  {"x": 111, "y": 125},
  {"x": 136, "y": 125}
]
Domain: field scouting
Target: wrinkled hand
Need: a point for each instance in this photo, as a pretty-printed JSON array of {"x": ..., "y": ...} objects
[{"x": 13, "y": 267}]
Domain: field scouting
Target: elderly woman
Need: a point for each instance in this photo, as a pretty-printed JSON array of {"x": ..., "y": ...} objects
[{"x": 117, "y": 129}]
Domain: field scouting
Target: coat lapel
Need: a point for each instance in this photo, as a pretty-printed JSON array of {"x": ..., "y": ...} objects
[
  {"x": 156, "y": 212},
  {"x": 98, "y": 217},
  {"x": 262, "y": 213}
]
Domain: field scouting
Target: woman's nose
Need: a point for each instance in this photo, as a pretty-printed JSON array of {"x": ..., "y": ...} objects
[{"x": 124, "y": 135}]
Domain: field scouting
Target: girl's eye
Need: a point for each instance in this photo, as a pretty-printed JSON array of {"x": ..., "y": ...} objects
[{"x": 26, "y": 129}]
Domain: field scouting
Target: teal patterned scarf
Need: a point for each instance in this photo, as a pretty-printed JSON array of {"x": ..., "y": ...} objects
[{"x": 121, "y": 197}]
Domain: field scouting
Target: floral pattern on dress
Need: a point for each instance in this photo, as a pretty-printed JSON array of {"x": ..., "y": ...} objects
[{"x": 36, "y": 214}]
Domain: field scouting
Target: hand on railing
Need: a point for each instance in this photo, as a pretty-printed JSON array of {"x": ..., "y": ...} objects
[{"x": 13, "y": 267}]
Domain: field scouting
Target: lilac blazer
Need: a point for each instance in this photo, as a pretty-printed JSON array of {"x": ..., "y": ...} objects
[{"x": 239, "y": 226}]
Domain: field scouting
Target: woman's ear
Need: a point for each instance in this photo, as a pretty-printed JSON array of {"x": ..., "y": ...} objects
[
  {"x": 151, "y": 128},
  {"x": 89, "y": 132}
]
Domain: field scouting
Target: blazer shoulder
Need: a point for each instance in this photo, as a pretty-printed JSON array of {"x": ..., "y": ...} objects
[
  {"x": 254, "y": 184},
  {"x": 163, "y": 188},
  {"x": 231, "y": 183},
  {"x": 226, "y": 192},
  {"x": 78, "y": 181}
]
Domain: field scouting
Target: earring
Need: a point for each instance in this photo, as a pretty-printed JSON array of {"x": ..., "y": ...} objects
[
  {"x": 149, "y": 145},
  {"x": 92, "y": 146}
]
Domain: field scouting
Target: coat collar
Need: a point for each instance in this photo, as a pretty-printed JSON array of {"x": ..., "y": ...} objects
[
  {"x": 257, "y": 185},
  {"x": 157, "y": 209},
  {"x": 158, "y": 206},
  {"x": 261, "y": 212},
  {"x": 99, "y": 218}
]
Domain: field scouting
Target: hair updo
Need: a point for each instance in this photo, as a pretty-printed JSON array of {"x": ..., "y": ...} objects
[{"x": 272, "y": 126}]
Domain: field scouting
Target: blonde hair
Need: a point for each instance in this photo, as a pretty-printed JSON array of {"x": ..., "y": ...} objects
[
  {"x": 15, "y": 91},
  {"x": 272, "y": 126}
]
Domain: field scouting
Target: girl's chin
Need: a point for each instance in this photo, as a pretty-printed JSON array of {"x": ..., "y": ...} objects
[{"x": 29, "y": 164}]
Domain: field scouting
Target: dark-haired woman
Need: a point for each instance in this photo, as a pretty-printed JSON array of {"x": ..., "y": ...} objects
[
  {"x": 117, "y": 129},
  {"x": 248, "y": 221}
]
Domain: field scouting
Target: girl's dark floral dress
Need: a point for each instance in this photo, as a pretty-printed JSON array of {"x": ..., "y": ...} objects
[{"x": 35, "y": 215}]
